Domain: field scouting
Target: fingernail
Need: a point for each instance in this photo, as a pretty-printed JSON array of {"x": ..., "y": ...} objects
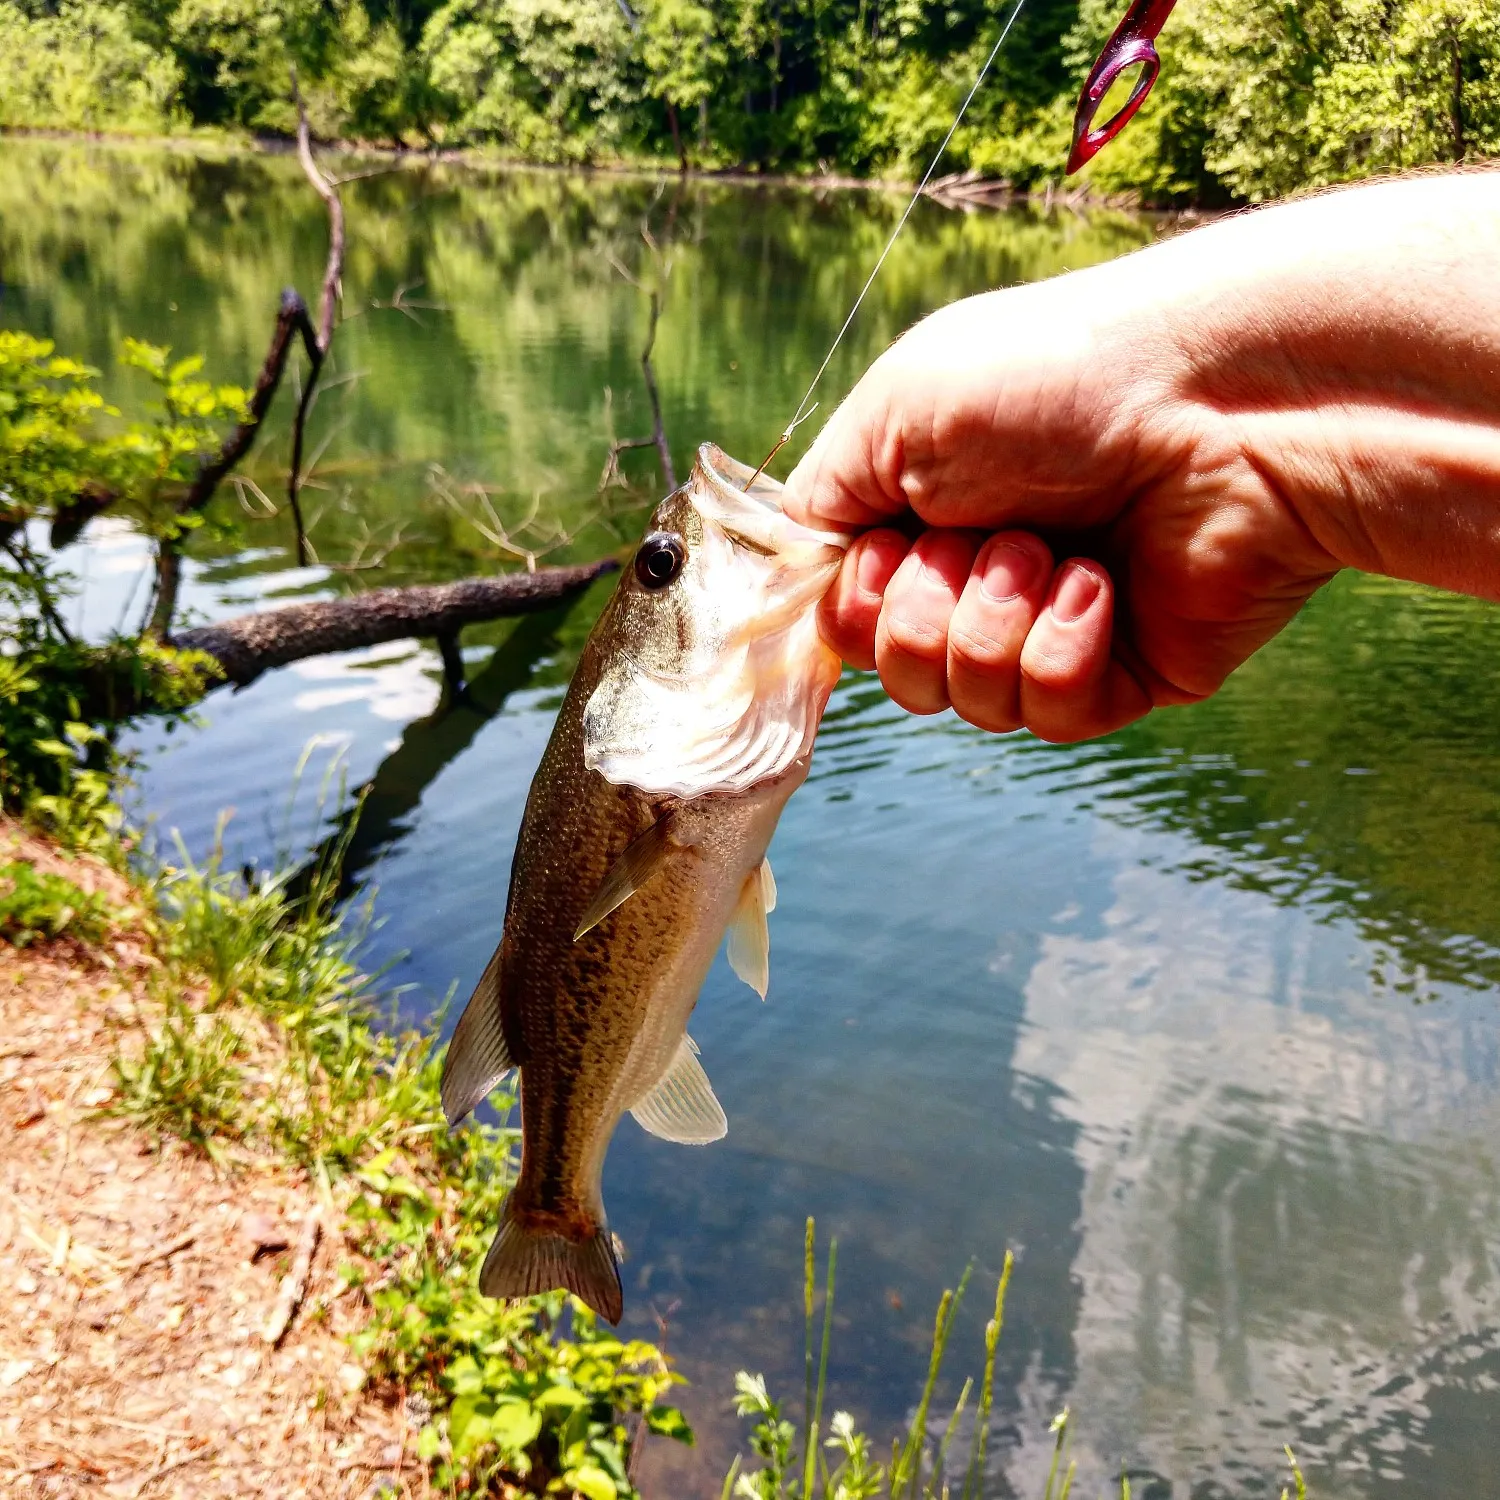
[
  {"x": 869, "y": 572},
  {"x": 1009, "y": 572},
  {"x": 1076, "y": 591}
]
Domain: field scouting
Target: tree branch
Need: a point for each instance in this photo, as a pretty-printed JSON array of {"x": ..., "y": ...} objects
[
  {"x": 328, "y": 300},
  {"x": 658, "y": 430},
  {"x": 168, "y": 585},
  {"x": 333, "y": 272},
  {"x": 290, "y": 318},
  {"x": 249, "y": 645}
]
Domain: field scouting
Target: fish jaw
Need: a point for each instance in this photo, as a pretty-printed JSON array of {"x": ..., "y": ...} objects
[{"x": 718, "y": 682}]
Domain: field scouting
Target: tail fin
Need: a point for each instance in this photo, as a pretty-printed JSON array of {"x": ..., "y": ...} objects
[{"x": 521, "y": 1264}]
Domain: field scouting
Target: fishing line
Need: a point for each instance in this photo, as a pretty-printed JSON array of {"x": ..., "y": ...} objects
[{"x": 804, "y": 411}]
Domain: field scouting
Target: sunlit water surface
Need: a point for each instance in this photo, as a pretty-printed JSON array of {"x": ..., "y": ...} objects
[{"x": 1199, "y": 1020}]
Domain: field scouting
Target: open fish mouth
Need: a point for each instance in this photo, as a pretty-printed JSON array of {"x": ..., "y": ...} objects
[{"x": 745, "y": 506}]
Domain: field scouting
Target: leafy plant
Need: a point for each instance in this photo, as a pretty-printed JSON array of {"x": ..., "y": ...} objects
[
  {"x": 38, "y": 905},
  {"x": 62, "y": 456}
]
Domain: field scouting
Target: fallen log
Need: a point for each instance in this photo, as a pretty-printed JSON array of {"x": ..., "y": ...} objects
[{"x": 249, "y": 645}]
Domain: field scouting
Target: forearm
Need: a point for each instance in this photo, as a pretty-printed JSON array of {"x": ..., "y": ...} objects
[{"x": 1349, "y": 346}]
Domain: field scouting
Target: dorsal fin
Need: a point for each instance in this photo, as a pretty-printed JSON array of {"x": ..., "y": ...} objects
[
  {"x": 682, "y": 1106},
  {"x": 477, "y": 1057}
]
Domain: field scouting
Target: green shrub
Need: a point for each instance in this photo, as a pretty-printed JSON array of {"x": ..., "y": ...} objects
[{"x": 63, "y": 448}]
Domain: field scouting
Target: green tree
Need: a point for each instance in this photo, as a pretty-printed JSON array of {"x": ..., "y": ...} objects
[
  {"x": 550, "y": 79},
  {"x": 684, "y": 57}
]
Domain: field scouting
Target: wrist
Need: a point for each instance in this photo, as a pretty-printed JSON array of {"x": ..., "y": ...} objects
[{"x": 1350, "y": 348}]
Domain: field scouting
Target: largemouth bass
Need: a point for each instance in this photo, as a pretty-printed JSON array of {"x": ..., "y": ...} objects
[{"x": 687, "y": 726}]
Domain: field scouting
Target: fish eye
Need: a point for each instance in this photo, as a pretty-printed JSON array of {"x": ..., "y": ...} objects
[{"x": 659, "y": 559}]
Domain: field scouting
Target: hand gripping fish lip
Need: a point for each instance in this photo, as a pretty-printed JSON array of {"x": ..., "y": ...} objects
[{"x": 718, "y": 493}]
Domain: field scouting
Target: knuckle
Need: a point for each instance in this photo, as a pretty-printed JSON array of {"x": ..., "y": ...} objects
[
  {"x": 973, "y": 644},
  {"x": 912, "y": 636},
  {"x": 1052, "y": 665}
]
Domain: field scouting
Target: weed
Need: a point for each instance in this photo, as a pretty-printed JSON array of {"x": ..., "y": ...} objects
[
  {"x": 36, "y": 906},
  {"x": 796, "y": 1466},
  {"x": 185, "y": 1082},
  {"x": 1297, "y": 1478}
]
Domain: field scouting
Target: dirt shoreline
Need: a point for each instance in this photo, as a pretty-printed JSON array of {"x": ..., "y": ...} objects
[{"x": 141, "y": 1280}]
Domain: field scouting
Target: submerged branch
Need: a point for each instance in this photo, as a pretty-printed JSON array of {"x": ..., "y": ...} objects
[
  {"x": 291, "y": 318},
  {"x": 249, "y": 645},
  {"x": 328, "y": 301},
  {"x": 658, "y": 430}
]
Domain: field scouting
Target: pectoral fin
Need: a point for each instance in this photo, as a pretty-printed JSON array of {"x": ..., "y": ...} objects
[
  {"x": 749, "y": 936},
  {"x": 682, "y": 1106},
  {"x": 640, "y": 861},
  {"x": 478, "y": 1057}
]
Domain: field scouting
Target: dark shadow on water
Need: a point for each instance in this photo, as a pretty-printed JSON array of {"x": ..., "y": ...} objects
[{"x": 383, "y": 810}]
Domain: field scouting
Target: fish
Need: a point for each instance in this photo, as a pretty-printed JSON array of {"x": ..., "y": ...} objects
[{"x": 687, "y": 726}]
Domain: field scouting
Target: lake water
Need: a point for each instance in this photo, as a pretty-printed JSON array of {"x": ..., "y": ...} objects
[{"x": 1200, "y": 1020}]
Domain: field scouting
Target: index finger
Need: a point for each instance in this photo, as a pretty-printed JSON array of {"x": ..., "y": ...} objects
[{"x": 838, "y": 482}]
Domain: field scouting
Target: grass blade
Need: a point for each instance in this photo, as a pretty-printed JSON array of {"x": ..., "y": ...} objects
[
  {"x": 809, "y": 1287},
  {"x": 992, "y": 1333},
  {"x": 822, "y": 1386},
  {"x": 1060, "y": 1427},
  {"x": 733, "y": 1474},
  {"x": 905, "y": 1472},
  {"x": 940, "y": 1463}
]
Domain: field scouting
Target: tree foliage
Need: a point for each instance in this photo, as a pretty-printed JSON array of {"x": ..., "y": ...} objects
[
  {"x": 1258, "y": 97},
  {"x": 59, "y": 443}
]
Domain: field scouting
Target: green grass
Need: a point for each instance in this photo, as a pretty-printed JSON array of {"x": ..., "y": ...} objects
[
  {"x": 806, "y": 1465},
  {"x": 185, "y": 1081},
  {"x": 37, "y": 906}
]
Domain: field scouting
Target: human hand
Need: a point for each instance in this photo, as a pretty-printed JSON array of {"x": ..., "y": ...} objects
[{"x": 1203, "y": 433}]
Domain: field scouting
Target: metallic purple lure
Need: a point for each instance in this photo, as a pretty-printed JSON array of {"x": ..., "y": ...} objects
[{"x": 1131, "y": 45}]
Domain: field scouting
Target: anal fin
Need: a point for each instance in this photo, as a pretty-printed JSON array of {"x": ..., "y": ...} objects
[
  {"x": 640, "y": 861},
  {"x": 749, "y": 936},
  {"x": 521, "y": 1264},
  {"x": 478, "y": 1057},
  {"x": 682, "y": 1107}
]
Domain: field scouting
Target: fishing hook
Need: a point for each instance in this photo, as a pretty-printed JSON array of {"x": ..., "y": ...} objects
[{"x": 1133, "y": 44}]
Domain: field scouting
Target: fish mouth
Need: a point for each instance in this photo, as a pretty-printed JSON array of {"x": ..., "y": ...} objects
[{"x": 745, "y": 506}]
